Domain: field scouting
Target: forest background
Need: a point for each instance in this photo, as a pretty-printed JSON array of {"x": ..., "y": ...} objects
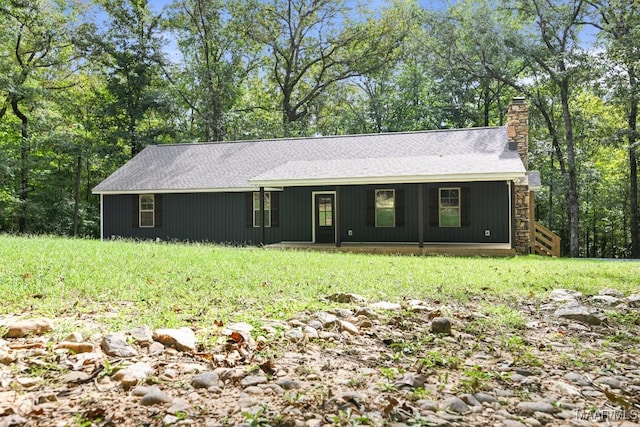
[{"x": 84, "y": 86}]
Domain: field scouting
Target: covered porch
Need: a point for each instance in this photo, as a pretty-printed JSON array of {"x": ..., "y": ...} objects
[{"x": 447, "y": 249}]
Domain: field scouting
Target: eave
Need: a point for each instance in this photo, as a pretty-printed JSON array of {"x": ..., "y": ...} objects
[{"x": 380, "y": 180}]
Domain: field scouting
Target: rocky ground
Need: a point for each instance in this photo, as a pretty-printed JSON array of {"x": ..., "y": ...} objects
[{"x": 567, "y": 360}]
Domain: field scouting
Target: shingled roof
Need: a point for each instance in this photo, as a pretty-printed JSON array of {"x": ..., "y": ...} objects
[{"x": 474, "y": 154}]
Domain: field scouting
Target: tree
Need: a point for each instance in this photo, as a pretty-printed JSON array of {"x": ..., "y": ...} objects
[
  {"x": 553, "y": 63},
  {"x": 464, "y": 40},
  {"x": 36, "y": 59},
  {"x": 215, "y": 62},
  {"x": 619, "y": 22},
  {"x": 315, "y": 43},
  {"x": 129, "y": 51}
]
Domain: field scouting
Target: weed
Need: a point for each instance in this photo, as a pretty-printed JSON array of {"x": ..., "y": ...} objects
[
  {"x": 625, "y": 338},
  {"x": 358, "y": 382},
  {"x": 347, "y": 418},
  {"x": 81, "y": 421},
  {"x": 435, "y": 359},
  {"x": 520, "y": 350},
  {"x": 420, "y": 393},
  {"x": 624, "y": 319},
  {"x": 502, "y": 316},
  {"x": 257, "y": 418},
  {"x": 406, "y": 347},
  {"x": 475, "y": 379},
  {"x": 388, "y": 387}
]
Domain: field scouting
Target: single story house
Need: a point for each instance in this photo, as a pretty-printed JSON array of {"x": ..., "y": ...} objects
[{"x": 460, "y": 186}]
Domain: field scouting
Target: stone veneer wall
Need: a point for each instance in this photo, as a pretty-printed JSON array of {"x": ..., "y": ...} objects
[
  {"x": 518, "y": 136},
  {"x": 522, "y": 220}
]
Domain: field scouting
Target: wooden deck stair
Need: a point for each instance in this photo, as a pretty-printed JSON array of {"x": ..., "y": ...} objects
[{"x": 545, "y": 242}]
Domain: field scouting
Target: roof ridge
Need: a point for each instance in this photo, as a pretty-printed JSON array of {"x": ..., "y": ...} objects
[{"x": 305, "y": 138}]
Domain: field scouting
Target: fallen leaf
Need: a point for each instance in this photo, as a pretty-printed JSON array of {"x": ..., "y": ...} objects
[
  {"x": 237, "y": 337},
  {"x": 390, "y": 406},
  {"x": 268, "y": 368}
]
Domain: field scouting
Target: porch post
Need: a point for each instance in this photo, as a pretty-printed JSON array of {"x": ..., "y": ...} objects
[
  {"x": 101, "y": 216},
  {"x": 336, "y": 220},
  {"x": 262, "y": 236},
  {"x": 420, "y": 215}
]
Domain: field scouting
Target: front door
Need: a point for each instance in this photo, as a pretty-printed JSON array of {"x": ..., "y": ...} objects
[{"x": 325, "y": 220}]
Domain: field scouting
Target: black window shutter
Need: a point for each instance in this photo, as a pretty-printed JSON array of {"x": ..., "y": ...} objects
[
  {"x": 371, "y": 208},
  {"x": 275, "y": 209},
  {"x": 465, "y": 206},
  {"x": 249, "y": 209},
  {"x": 157, "y": 206},
  {"x": 434, "y": 218},
  {"x": 135, "y": 211},
  {"x": 399, "y": 207}
]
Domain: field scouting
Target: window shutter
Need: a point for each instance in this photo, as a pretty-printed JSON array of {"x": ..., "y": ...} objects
[
  {"x": 465, "y": 207},
  {"x": 157, "y": 206},
  {"x": 434, "y": 218},
  {"x": 135, "y": 211},
  {"x": 249, "y": 209},
  {"x": 399, "y": 207},
  {"x": 275, "y": 209},
  {"x": 371, "y": 208}
]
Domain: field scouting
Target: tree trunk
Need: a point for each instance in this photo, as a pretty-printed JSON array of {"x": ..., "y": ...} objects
[
  {"x": 633, "y": 166},
  {"x": 486, "y": 95},
  {"x": 133, "y": 136},
  {"x": 25, "y": 151},
  {"x": 572, "y": 190},
  {"x": 76, "y": 195}
]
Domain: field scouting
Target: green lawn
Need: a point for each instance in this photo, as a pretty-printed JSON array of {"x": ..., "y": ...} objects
[{"x": 124, "y": 283}]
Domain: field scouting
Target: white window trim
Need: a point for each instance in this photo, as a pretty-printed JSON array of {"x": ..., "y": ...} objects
[
  {"x": 141, "y": 211},
  {"x": 440, "y": 207},
  {"x": 254, "y": 210},
  {"x": 375, "y": 201}
]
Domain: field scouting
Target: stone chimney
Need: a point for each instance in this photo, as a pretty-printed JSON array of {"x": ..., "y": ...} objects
[
  {"x": 518, "y": 137},
  {"x": 518, "y": 128}
]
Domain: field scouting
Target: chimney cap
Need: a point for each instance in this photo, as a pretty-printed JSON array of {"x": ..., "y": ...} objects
[{"x": 519, "y": 99}]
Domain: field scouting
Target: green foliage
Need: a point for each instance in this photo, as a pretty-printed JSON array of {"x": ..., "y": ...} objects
[
  {"x": 475, "y": 379},
  {"x": 437, "y": 359},
  {"x": 93, "y": 83}
]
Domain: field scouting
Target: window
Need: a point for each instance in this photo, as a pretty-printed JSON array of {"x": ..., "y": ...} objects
[
  {"x": 147, "y": 210},
  {"x": 325, "y": 211},
  {"x": 267, "y": 209},
  {"x": 449, "y": 207},
  {"x": 385, "y": 208}
]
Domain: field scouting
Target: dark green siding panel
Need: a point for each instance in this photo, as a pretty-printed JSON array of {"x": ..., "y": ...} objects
[
  {"x": 353, "y": 215},
  {"x": 296, "y": 214},
  {"x": 202, "y": 217},
  {"x": 220, "y": 217},
  {"x": 489, "y": 211}
]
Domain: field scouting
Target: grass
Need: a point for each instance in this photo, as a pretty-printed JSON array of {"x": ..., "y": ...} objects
[{"x": 125, "y": 283}]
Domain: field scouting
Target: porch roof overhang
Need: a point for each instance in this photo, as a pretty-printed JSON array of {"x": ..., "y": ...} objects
[{"x": 395, "y": 170}]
